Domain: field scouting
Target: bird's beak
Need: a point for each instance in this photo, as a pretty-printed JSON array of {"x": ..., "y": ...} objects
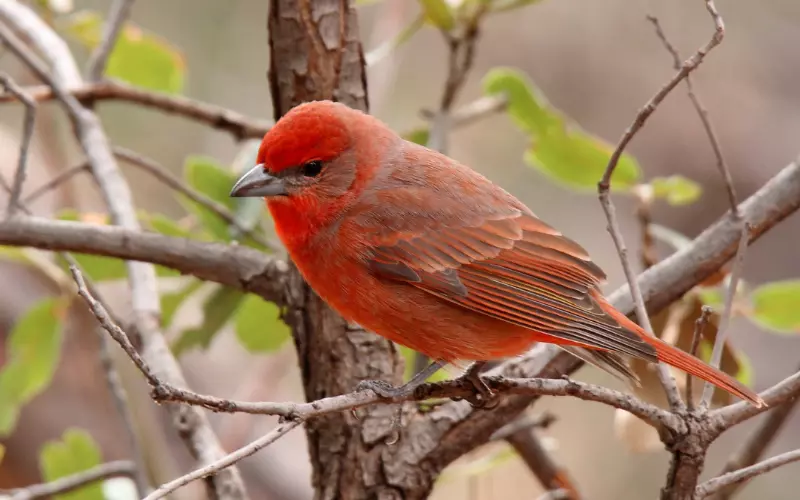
[{"x": 258, "y": 183}]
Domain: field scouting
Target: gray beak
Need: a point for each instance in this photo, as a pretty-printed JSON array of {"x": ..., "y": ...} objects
[{"x": 258, "y": 183}]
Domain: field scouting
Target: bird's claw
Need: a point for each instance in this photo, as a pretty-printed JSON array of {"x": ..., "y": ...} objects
[
  {"x": 483, "y": 397},
  {"x": 384, "y": 389}
]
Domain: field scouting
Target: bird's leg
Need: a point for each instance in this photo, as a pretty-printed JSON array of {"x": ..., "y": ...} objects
[
  {"x": 473, "y": 377},
  {"x": 388, "y": 391}
]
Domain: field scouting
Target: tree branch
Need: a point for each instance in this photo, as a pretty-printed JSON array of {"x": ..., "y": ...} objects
[
  {"x": 713, "y": 485},
  {"x": 25, "y": 143},
  {"x": 73, "y": 482},
  {"x": 238, "y": 125},
  {"x": 756, "y": 443},
  {"x": 117, "y": 14}
]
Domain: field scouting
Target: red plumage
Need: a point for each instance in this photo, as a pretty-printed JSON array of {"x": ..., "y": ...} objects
[{"x": 430, "y": 254}]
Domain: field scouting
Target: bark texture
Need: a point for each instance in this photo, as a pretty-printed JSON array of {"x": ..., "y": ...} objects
[{"x": 315, "y": 54}]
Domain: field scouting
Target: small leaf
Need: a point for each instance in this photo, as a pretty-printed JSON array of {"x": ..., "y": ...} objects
[
  {"x": 526, "y": 107},
  {"x": 438, "y": 13},
  {"x": 207, "y": 176},
  {"x": 577, "y": 159},
  {"x": 676, "y": 189},
  {"x": 75, "y": 452},
  {"x": 711, "y": 296},
  {"x": 259, "y": 327},
  {"x": 419, "y": 135},
  {"x": 217, "y": 310},
  {"x": 171, "y": 302},
  {"x": 409, "y": 356},
  {"x": 139, "y": 57},
  {"x": 33, "y": 349},
  {"x": 776, "y": 306},
  {"x": 164, "y": 225}
]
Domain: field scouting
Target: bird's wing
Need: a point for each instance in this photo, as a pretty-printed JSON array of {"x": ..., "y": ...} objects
[{"x": 510, "y": 266}]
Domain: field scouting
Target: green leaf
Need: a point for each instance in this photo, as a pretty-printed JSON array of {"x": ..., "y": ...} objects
[
  {"x": 419, "y": 135},
  {"x": 409, "y": 356},
  {"x": 438, "y": 13},
  {"x": 711, "y": 296},
  {"x": 171, "y": 302},
  {"x": 676, "y": 189},
  {"x": 75, "y": 452},
  {"x": 578, "y": 160},
  {"x": 208, "y": 177},
  {"x": 525, "y": 106},
  {"x": 139, "y": 57},
  {"x": 164, "y": 225},
  {"x": 32, "y": 354},
  {"x": 100, "y": 268},
  {"x": 217, "y": 310},
  {"x": 259, "y": 327},
  {"x": 776, "y": 306}
]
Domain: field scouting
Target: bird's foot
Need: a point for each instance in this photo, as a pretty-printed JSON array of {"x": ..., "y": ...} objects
[{"x": 483, "y": 397}]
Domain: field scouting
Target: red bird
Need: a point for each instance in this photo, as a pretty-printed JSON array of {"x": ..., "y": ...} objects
[{"x": 432, "y": 255}]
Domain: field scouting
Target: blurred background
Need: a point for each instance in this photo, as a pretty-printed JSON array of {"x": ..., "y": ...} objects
[{"x": 598, "y": 62}]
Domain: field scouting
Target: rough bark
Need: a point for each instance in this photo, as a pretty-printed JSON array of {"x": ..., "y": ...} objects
[{"x": 315, "y": 54}]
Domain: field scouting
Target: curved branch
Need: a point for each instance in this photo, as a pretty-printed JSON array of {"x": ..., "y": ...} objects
[{"x": 713, "y": 485}]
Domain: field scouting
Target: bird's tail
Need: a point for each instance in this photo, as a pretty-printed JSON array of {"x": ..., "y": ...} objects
[{"x": 679, "y": 359}]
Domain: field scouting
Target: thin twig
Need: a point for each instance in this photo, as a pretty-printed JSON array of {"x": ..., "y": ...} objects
[
  {"x": 117, "y": 15},
  {"x": 550, "y": 475},
  {"x": 603, "y": 187},
  {"x": 702, "y": 112},
  {"x": 699, "y": 326},
  {"x": 55, "y": 182},
  {"x": 713, "y": 485},
  {"x": 25, "y": 143},
  {"x": 115, "y": 331},
  {"x": 224, "y": 462},
  {"x": 162, "y": 174},
  {"x": 73, "y": 482},
  {"x": 664, "y": 375},
  {"x": 238, "y": 125},
  {"x": 756, "y": 443},
  {"x": 725, "y": 320}
]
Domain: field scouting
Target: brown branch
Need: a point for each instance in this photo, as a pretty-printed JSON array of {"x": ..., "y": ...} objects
[
  {"x": 193, "y": 426},
  {"x": 756, "y": 443},
  {"x": 73, "y": 482},
  {"x": 551, "y": 476},
  {"x": 55, "y": 182},
  {"x": 237, "y": 124},
  {"x": 117, "y": 14},
  {"x": 702, "y": 112},
  {"x": 25, "y": 143},
  {"x": 699, "y": 326},
  {"x": 713, "y": 485},
  {"x": 225, "y": 462}
]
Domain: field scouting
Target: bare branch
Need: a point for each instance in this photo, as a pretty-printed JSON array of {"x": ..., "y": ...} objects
[
  {"x": 25, "y": 143},
  {"x": 73, "y": 482},
  {"x": 702, "y": 113},
  {"x": 686, "y": 68},
  {"x": 779, "y": 393},
  {"x": 756, "y": 443},
  {"x": 117, "y": 14},
  {"x": 713, "y": 485},
  {"x": 238, "y": 125},
  {"x": 551, "y": 476},
  {"x": 224, "y": 462},
  {"x": 55, "y": 182},
  {"x": 725, "y": 320},
  {"x": 699, "y": 326}
]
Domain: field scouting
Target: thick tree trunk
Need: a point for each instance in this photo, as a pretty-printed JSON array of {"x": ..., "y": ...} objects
[{"x": 315, "y": 54}]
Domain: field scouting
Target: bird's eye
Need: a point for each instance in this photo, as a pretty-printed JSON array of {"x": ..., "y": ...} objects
[{"x": 312, "y": 168}]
